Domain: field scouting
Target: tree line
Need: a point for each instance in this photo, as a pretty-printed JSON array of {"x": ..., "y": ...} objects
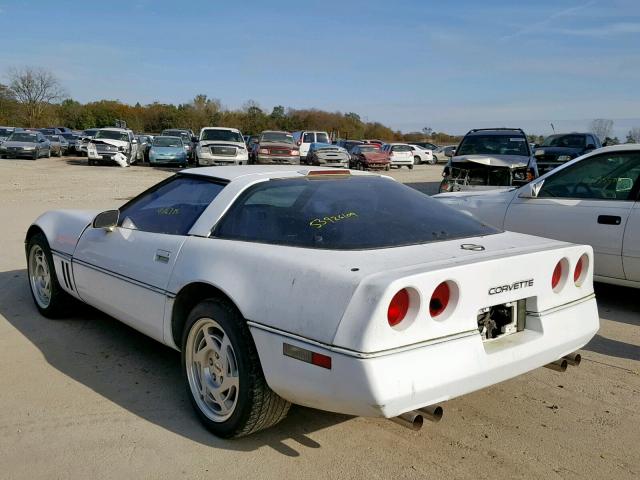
[{"x": 35, "y": 98}]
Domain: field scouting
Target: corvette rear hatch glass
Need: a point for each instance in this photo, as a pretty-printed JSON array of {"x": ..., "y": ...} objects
[{"x": 347, "y": 213}]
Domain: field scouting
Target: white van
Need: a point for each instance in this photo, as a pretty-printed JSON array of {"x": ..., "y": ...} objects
[{"x": 304, "y": 138}]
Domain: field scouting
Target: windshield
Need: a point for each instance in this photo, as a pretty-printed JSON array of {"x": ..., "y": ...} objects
[
  {"x": 90, "y": 133},
  {"x": 5, "y": 132},
  {"x": 47, "y": 131},
  {"x": 178, "y": 133},
  {"x": 53, "y": 138},
  {"x": 322, "y": 137},
  {"x": 69, "y": 136},
  {"x": 401, "y": 148},
  {"x": 279, "y": 137},
  {"x": 506, "y": 144},
  {"x": 112, "y": 135},
  {"x": 167, "y": 142},
  {"x": 23, "y": 137},
  {"x": 222, "y": 136},
  {"x": 351, "y": 213},
  {"x": 569, "y": 141},
  {"x": 368, "y": 148}
]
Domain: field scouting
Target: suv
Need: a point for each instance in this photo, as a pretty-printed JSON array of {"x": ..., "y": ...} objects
[
  {"x": 560, "y": 148},
  {"x": 188, "y": 139},
  {"x": 221, "y": 146},
  {"x": 488, "y": 158},
  {"x": 275, "y": 147},
  {"x": 109, "y": 142},
  {"x": 304, "y": 139}
]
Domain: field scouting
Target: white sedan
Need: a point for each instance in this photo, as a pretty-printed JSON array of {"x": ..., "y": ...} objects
[
  {"x": 422, "y": 155},
  {"x": 338, "y": 290},
  {"x": 592, "y": 199}
]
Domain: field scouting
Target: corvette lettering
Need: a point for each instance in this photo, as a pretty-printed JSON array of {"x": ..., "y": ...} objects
[{"x": 512, "y": 286}]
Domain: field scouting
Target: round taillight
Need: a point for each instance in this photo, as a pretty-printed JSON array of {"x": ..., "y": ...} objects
[
  {"x": 577, "y": 272},
  {"x": 557, "y": 275},
  {"x": 398, "y": 307},
  {"x": 439, "y": 299}
]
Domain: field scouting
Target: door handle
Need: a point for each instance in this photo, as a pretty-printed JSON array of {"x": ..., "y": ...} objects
[
  {"x": 609, "y": 219},
  {"x": 162, "y": 256}
]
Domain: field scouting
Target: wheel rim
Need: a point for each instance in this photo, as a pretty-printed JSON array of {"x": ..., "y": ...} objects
[
  {"x": 40, "y": 276},
  {"x": 212, "y": 370}
]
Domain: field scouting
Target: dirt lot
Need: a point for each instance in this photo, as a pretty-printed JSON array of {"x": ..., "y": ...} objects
[{"x": 89, "y": 397}]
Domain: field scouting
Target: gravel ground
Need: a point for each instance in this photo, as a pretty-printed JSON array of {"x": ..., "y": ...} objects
[{"x": 90, "y": 397}]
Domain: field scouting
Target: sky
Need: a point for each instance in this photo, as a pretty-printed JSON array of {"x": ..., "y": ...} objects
[{"x": 450, "y": 66}]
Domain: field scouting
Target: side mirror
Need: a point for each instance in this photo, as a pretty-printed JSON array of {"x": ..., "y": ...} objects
[
  {"x": 107, "y": 220},
  {"x": 531, "y": 190},
  {"x": 450, "y": 153}
]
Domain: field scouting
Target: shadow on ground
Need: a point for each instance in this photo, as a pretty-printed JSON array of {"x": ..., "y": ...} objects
[
  {"x": 428, "y": 188},
  {"x": 135, "y": 372}
]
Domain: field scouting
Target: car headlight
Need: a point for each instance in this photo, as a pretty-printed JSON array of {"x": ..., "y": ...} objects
[
  {"x": 295, "y": 152},
  {"x": 264, "y": 151},
  {"x": 29, "y": 148},
  {"x": 564, "y": 158}
]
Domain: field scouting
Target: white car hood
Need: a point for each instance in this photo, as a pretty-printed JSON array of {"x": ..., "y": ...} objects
[{"x": 108, "y": 141}]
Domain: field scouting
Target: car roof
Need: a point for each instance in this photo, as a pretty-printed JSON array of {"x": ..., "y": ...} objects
[
  {"x": 221, "y": 128},
  {"x": 495, "y": 131},
  {"x": 231, "y": 173}
]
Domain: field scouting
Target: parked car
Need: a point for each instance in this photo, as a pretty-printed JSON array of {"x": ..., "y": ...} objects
[
  {"x": 560, "y": 148},
  {"x": 62, "y": 129},
  {"x": 349, "y": 144},
  {"x": 328, "y": 155},
  {"x": 188, "y": 138},
  {"x": 304, "y": 139},
  {"x": 25, "y": 144},
  {"x": 400, "y": 154},
  {"x": 379, "y": 143},
  {"x": 422, "y": 155},
  {"x": 49, "y": 131},
  {"x": 441, "y": 154},
  {"x": 6, "y": 131},
  {"x": 593, "y": 199},
  {"x": 168, "y": 150},
  {"x": 85, "y": 138},
  {"x": 144, "y": 145},
  {"x": 426, "y": 145},
  {"x": 489, "y": 158},
  {"x": 74, "y": 142},
  {"x": 59, "y": 144},
  {"x": 275, "y": 147},
  {"x": 369, "y": 157},
  {"x": 113, "y": 145},
  {"x": 412, "y": 302},
  {"x": 221, "y": 146}
]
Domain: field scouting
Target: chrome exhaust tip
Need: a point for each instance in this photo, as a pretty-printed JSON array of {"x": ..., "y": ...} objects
[
  {"x": 432, "y": 413},
  {"x": 573, "y": 359},
  {"x": 559, "y": 365},
  {"x": 412, "y": 420}
]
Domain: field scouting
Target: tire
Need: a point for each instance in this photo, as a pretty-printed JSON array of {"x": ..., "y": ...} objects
[
  {"x": 254, "y": 405},
  {"x": 197, "y": 161},
  {"x": 51, "y": 301},
  {"x": 417, "y": 160},
  {"x": 49, "y": 153},
  {"x": 387, "y": 168},
  {"x": 410, "y": 167},
  {"x": 35, "y": 155}
]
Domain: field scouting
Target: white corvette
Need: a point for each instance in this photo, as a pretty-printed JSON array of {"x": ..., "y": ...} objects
[
  {"x": 347, "y": 292},
  {"x": 593, "y": 199}
]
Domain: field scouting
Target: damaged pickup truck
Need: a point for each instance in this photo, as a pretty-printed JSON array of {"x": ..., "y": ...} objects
[
  {"x": 117, "y": 145},
  {"x": 487, "y": 159}
]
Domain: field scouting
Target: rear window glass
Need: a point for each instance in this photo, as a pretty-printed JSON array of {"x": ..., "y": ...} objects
[
  {"x": 343, "y": 214},
  {"x": 308, "y": 138},
  {"x": 401, "y": 148}
]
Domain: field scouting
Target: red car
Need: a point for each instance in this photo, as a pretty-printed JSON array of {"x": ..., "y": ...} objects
[{"x": 369, "y": 157}]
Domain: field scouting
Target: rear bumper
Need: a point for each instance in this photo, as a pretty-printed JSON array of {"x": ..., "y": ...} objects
[{"x": 388, "y": 384}]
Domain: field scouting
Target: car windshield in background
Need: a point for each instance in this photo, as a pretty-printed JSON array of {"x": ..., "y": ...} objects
[
  {"x": 167, "y": 142},
  {"x": 53, "y": 138},
  {"x": 402, "y": 148},
  {"x": 222, "y": 136},
  {"x": 23, "y": 137},
  {"x": 493, "y": 145},
  {"x": 322, "y": 138},
  {"x": 343, "y": 214},
  {"x": 4, "y": 132},
  {"x": 112, "y": 135},
  {"x": 569, "y": 141},
  {"x": 277, "y": 137},
  {"x": 368, "y": 148},
  {"x": 90, "y": 133},
  {"x": 69, "y": 136}
]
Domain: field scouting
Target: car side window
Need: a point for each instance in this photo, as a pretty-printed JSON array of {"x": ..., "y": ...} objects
[
  {"x": 308, "y": 138},
  {"x": 172, "y": 207},
  {"x": 609, "y": 176}
]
